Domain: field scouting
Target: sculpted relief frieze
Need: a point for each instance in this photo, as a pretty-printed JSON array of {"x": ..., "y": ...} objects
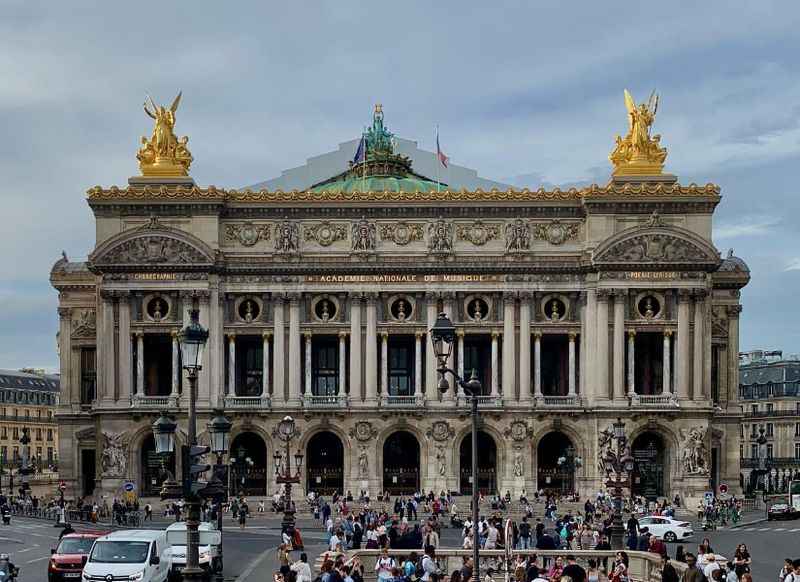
[
  {"x": 325, "y": 233},
  {"x": 247, "y": 233},
  {"x": 154, "y": 249},
  {"x": 84, "y": 324},
  {"x": 402, "y": 233},
  {"x": 653, "y": 247},
  {"x": 556, "y": 232},
  {"x": 478, "y": 233}
]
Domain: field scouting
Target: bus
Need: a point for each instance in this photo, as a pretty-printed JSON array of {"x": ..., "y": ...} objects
[{"x": 794, "y": 496}]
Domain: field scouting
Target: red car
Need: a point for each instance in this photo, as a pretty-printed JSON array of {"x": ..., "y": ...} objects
[{"x": 68, "y": 559}]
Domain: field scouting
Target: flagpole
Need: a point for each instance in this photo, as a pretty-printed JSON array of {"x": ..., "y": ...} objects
[{"x": 436, "y": 157}]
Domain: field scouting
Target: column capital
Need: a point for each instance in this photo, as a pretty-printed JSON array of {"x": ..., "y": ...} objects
[
  {"x": 509, "y": 298},
  {"x": 733, "y": 311},
  {"x": 525, "y": 296},
  {"x": 537, "y": 335},
  {"x": 384, "y": 334},
  {"x": 699, "y": 294},
  {"x": 173, "y": 333},
  {"x": 419, "y": 334},
  {"x": 668, "y": 333},
  {"x": 631, "y": 334},
  {"x": 603, "y": 295},
  {"x": 371, "y": 297},
  {"x": 107, "y": 295},
  {"x": 343, "y": 334},
  {"x": 140, "y": 334},
  {"x": 124, "y": 296},
  {"x": 495, "y": 334},
  {"x": 572, "y": 335},
  {"x": 293, "y": 298},
  {"x": 308, "y": 334},
  {"x": 460, "y": 332},
  {"x": 431, "y": 295},
  {"x": 64, "y": 312},
  {"x": 266, "y": 334},
  {"x": 231, "y": 337},
  {"x": 684, "y": 295}
]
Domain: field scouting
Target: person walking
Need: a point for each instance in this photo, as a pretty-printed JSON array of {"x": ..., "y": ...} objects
[
  {"x": 302, "y": 569},
  {"x": 148, "y": 512}
]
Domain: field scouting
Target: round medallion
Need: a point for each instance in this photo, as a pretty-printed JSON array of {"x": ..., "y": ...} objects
[{"x": 248, "y": 235}]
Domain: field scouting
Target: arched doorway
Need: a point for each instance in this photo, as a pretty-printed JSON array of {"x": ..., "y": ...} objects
[
  {"x": 649, "y": 465},
  {"x": 401, "y": 463},
  {"x": 248, "y": 460},
  {"x": 557, "y": 461},
  {"x": 487, "y": 464},
  {"x": 154, "y": 468},
  {"x": 325, "y": 464}
]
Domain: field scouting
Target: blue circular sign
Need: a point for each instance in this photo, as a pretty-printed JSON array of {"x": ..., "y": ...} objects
[{"x": 129, "y": 487}]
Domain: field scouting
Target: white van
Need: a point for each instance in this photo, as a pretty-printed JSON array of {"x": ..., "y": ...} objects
[
  {"x": 130, "y": 556},
  {"x": 210, "y": 541}
]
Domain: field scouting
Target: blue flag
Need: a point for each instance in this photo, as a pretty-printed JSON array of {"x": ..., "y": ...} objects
[{"x": 361, "y": 151}]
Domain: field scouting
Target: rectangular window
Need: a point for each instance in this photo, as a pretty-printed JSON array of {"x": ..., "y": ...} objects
[
  {"x": 157, "y": 364},
  {"x": 770, "y": 429},
  {"x": 4, "y": 432},
  {"x": 4, "y": 453},
  {"x": 478, "y": 357},
  {"x": 741, "y": 452},
  {"x": 770, "y": 408},
  {"x": 15, "y": 454},
  {"x": 401, "y": 367},
  {"x": 753, "y": 451},
  {"x": 49, "y": 434},
  {"x": 754, "y": 408},
  {"x": 796, "y": 451},
  {"x": 38, "y": 452},
  {"x": 15, "y": 433},
  {"x": 249, "y": 365},
  {"x": 753, "y": 431},
  {"x": 741, "y": 431},
  {"x": 39, "y": 413},
  {"x": 325, "y": 367},
  {"x": 769, "y": 450},
  {"x": 49, "y": 454},
  {"x": 714, "y": 374},
  {"x": 38, "y": 434},
  {"x": 797, "y": 429},
  {"x": 88, "y": 375}
]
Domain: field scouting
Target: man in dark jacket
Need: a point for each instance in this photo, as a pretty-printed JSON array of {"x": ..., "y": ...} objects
[
  {"x": 668, "y": 572},
  {"x": 545, "y": 542},
  {"x": 692, "y": 572}
]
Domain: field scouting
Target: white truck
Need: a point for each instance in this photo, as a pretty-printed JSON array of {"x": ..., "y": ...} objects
[{"x": 209, "y": 555}]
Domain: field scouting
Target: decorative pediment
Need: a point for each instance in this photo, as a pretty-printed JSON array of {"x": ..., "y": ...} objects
[
  {"x": 153, "y": 244},
  {"x": 656, "y": 244},
  {"x": 85, "y": 434}
]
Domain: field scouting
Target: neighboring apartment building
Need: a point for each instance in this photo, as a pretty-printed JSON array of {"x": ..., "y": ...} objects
[{"x": 769, "y": 391}]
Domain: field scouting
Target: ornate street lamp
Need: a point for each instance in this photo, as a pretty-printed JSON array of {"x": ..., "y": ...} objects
[
  {"x": 443, "y": 335},
  {"x": 164, "y": 436},
  {"x": 620, "y": 464},
  {"x": 219, "y": 431},
  {"x": 25, "y": 468},
  {"x": 287, "y": 431}
]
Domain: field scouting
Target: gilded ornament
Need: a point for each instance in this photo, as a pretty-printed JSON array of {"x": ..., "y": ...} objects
[
  {"x": 556, "y": 233},
  {"x": 164, "y": 154},
  {"x": 639, "y": 153},
  {"x": 248, "y": 234},
  {"x": 478, "y": 233},
  {"x": 325, "y": 233},
  {"x": 401, "y": 233}
]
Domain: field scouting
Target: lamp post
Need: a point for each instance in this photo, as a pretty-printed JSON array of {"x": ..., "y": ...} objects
[
  {"x": 219, "y": 430},
  {"x": 443, "y": 334},
  {"x": 286, "y": 431},
  {"x": 568, "y": 463},
  {"x": 25, "y": 468},
  {"x": 192, "y": 341},
  {"x": 620, "y": 464}
]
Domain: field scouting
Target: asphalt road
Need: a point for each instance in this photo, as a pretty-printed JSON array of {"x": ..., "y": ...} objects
[{"x": 250, "y": 555}]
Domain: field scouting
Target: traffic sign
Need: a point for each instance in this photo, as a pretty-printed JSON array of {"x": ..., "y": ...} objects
[
  {"x": 129, "y": 486},
  {"x": 708, "y": 497},
  {"x": 62, "y": 486},
  {"x": 723, "y": 488}
]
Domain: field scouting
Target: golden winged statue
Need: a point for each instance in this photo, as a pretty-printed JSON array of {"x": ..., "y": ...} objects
[
  {"x": 164, "y": 154},
  {"x": 639, "y": 153}
]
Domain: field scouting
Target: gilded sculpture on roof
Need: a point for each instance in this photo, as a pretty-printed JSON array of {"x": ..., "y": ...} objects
[
  {"x": 164, "y": 154},
  {"x": 639, "y": 153}
]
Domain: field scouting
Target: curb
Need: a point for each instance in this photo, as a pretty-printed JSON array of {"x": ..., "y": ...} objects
[{"x": 746, "y": 523}]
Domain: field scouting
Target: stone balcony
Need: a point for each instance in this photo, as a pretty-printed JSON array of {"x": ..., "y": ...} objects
[
  {"x": 484, "y": 402},
  {"x": 568, "y": 401},
  {"x": 248, "y": 402},
  {"x": 155, "y": 402},
  {"x": 314, "y": 402},
  {"x": 667, "y": 400},
  {"x": 405, "y": 402}
]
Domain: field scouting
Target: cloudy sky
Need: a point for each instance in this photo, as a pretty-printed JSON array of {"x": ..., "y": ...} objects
[{"x": 525, "y": 92}]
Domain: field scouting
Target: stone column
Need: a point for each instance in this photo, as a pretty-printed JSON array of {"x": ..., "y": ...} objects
[
  {"x": 176, "y": 364},
  {"x": 385, "y": 363},
  {"x": 537, "y": 364},
  {"x": 601, "y": 362},
  {"x": 667, "y": 374},
  {"x": 732, "y": 388},
  {"x": 583, "y": 367},
  {"x": 619, "y": 344},
  {"x": 125, "y": 356},
  {"x": 698, "y": 375},
  {"x": 495, "y": 379},
  {"x": 525, "y": 348},
  {"x": 371, "y": 357},
  {"x": 140, "y": 363},
  {"x": 204, "y": 377},
  {"x": 431, "y": 375},
  {"x": 342, "y": 363},
  {"x": 418, "y": 364},
  {"x": 278, "y": 354},
  {"x": 294, "y": 351},
  {"x": 71, "y": 390},
  {"x": 308, "y": 387},
  {"x": 355, "y": 348},
  {"x": 682, "y": 349},
  {"x": 265, "y": 363},
  {"x": 631, "y": 362},
  {"x": 232, "y": 365},
  {"x": 590, "y": 348},
  {"x": 447, "y": 307},
  {"x": 105, "y": 350},
  {"x": 509, "y": 348},
  {"x": 460, "y": 370},
  {"x": 571, "y": 336}
]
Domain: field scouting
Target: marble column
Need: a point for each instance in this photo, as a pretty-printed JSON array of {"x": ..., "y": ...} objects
[
  {"x": 308, "y": 350},
  {"x": 583, "y": 367},
  {"x": 495, "y": 363},
  {"x": 631, "y": 363},
  {"x": 509, "y": 349},
  {"x": 733, "y": 312},
  {"x": 590, "y": 347},
  {"x": 232, "y": 365},
  {"x": 571, "y": 337},
  {"x": 667, "y": 373},
  {"x": 385, "y": 363},
  {"x": 525, "y": 348},
  {"x": 460, "y": 370},
  {"x": 265, "y": 335},
  {"x": 447, "y": 307},
  {"x": 105, "y": 349},
  {"x": 537, "y": 364},
  {"x": 342, "y": 363},
  {"x": 295, "y": 366},
  {"x": 418, "y": 336},
  {"x": 355, "y": 348},
  {"x": 683, "y": 347},
  {"x": 125, "y": 348},
  {"x": 698, "y": 374},
  {"x": 278, "y": 354},
  {"x": 601, "y": 362},
  {"x": 371, "y": 356},
  {"x": 204, "y": 376},
  {"x": 74, "y": 395},
  {"x": 619, "y": 344},
  {"x": 140, "y": 363},
  {"x": 431, "y": 375},
  {"x": 176, "y": 365}
]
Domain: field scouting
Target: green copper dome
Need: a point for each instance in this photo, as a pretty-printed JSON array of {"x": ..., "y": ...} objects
[{"x": 378, "y": 169}]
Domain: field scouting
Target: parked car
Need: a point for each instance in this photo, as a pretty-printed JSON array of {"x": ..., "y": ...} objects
[
  {"x": 780, "y": 511},
  {"x": 132, "y": 555},
  {"x": 209, "y": 550},
  {"x": 667, "y": 528},
  {"x": 68, "y": 558}
]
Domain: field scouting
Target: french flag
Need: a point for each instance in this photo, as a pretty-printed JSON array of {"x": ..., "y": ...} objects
[
  {"x": 361, "y": 152},
  {"x": 443, "y": 159}
]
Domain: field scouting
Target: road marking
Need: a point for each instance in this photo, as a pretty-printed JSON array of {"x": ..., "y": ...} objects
[
  {"x": 253, "y": 565},
  {"x": 795, "y": 529},
  {"x": 780, "y": 529},
  {"x": 25, "y": 550},
  {"x": 38, "y": 559},
  {"x": 764, "y": 529}
]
